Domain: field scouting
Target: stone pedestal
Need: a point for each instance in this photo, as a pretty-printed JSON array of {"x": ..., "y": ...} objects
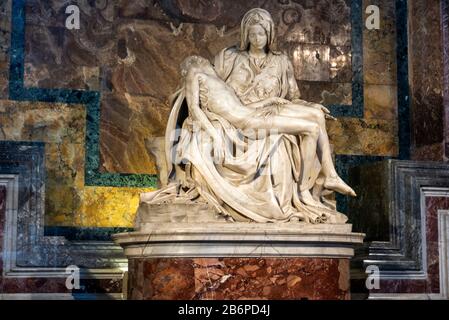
[{"x": 239, "y": 261}]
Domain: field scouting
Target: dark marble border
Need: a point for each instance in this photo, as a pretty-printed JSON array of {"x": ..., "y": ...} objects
[
  {"x": 445, "y": 32},
  {"x": 356, "y": 110},
  {"x": 404, "y": 117},
  {"x": 84, "y": 234},
  {"x": 343, "y": 163},
  {"x": 27, "y": 160}
]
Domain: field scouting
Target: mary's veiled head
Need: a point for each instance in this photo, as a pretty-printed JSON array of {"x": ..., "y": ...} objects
[{"x": 259, "y": 17}]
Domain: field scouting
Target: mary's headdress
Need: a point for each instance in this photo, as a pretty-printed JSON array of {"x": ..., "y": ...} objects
[{"x": 261, "y": 17}]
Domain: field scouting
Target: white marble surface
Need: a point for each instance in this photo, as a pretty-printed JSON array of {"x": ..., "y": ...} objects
[
  {"x": 240, "y": 240},
  {"x": 247, "y": 144}
]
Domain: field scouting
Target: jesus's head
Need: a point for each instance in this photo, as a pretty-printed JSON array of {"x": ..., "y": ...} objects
[{"x": 196, "y": 64}]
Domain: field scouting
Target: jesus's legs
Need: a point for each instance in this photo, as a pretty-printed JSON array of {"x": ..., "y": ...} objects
[
  {"x": 332, "y": 180},
  {"x": 309, "y": 132}
]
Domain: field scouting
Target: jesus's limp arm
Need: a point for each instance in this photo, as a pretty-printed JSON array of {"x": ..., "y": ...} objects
[{"x": 192, "y": 88}]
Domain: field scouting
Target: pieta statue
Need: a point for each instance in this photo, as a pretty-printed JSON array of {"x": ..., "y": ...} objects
[{"x": 240, "y": 139}]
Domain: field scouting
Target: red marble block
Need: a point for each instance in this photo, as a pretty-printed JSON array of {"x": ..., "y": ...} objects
[{"x": 238, "y": 278}]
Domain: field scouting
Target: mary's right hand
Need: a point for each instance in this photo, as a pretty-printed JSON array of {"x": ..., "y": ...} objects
[
  {"x": 218, "y": 151},
  {"x": 277, "y": 100}
]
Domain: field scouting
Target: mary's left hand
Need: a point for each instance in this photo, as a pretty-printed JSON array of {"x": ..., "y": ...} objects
[
  {"x": 322, "y": 108},
  {"x": 326, "y": 111}
]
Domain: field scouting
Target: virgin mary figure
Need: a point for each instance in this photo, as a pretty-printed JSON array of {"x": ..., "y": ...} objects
[{"x": 270, "y": 177}]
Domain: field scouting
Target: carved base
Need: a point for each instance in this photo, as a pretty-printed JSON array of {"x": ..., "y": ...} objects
[{"x": 239, "y": 260}]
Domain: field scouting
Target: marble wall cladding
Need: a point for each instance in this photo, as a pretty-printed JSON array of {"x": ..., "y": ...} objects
[
  {"x": 58, "y": 286},
  {"x": 62, "y": 128},
  {"x": 126, "y": 123},
  {"x": 363, "y": 136},
  {"x": 108, "y": 207},
  {"x": 379, "y": 64},
  {"x": 379, "y": 46},
  {"x": 94, "y": 207},
  {"x": 238, "y": 278},
  {"x": 62, "y": 58},
  {"x": 327, "y": 93},
  {"x": 381, "y": 102},
  {"x": 426, "y": 77},
  {"x": 68, "y": 201},
  {"x": 5, "y": 32}
]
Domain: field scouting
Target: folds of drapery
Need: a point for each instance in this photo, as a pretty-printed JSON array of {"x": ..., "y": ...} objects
[{"x": 256, "y": 180}]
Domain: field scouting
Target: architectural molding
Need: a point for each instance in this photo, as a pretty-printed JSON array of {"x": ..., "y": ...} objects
[
  {"x": 27, "y": 252},
  {"x": 169, "y": 240},
  {"x": 396, "y": 234}
]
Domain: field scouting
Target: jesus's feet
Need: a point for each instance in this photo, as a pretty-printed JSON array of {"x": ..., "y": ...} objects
[
  {"x": 307, "y": 199},
  {"x": 335, "y": 183}
]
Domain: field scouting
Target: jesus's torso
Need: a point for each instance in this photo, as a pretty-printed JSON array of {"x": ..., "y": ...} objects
[{"x": 219, "y": 98}]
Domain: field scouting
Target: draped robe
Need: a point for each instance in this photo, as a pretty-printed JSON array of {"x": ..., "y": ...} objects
[{"x": 260, "y": 177}]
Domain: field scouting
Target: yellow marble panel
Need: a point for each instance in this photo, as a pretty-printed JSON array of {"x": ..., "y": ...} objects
[{"x": 68, "y": 201}]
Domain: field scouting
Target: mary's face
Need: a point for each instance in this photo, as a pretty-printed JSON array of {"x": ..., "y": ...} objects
[{"x": 257, "y": 37}]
